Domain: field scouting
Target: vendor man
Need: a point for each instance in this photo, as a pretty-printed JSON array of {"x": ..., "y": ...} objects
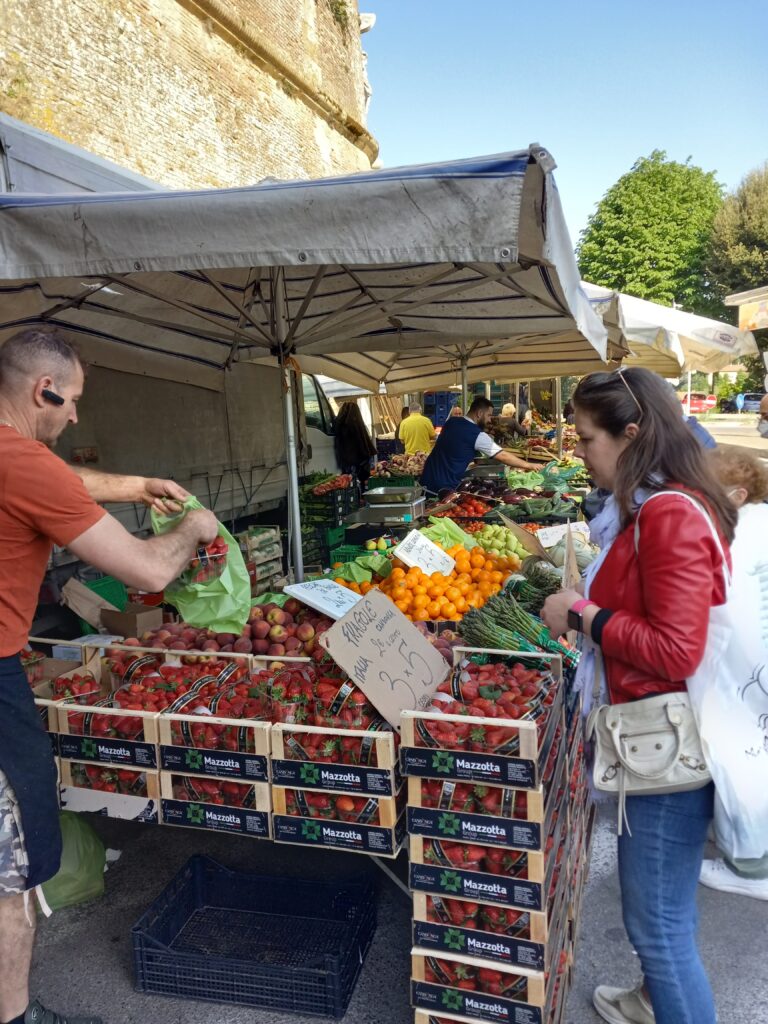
[
  {"x": 461, "y": 440},
  {"x": 416, "y": 431},
  {"x": 43, "y": 502}
]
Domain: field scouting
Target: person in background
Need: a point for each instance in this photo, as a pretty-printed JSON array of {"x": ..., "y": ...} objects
[
  {"x": 416, "y": 431},
  {"x": 647, "y": 608},
  {"x": 404, "y": 413},
  {"x": 354, "y": 447},
  {"x": 461, "y": 440},
  {"x": 746, "y": 483},
  {"x": 456, "y": 410},
  {"x": 569, "y": 412},
  {"x": 43, "y": 502},
  {"x": 508, "y": 419}
]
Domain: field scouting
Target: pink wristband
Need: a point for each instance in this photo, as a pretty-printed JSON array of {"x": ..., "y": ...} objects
[{"x": 580, "y": 605}]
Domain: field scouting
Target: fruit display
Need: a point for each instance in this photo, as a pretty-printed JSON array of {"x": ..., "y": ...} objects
[
  {"x": 478, "y": 916},
  {"x": 400, "y": 465},
  {"x": 477, "y": 576},
  {"x": 320, "y": 695},
  {"x": 464, "y": 506},
  {"x": 490, "y": 860},
  {"x": 499, "y": 541},
  {"x": 379, "y": 544},
  {"x": 475, "y": 979},
  {"x": 212, "y": 791},
  {"x": 74, "y": 685},
  {"x": 107, "y": 779},
  {"x": 271, "y": 630},
  {"x": 208, "y": 564},
  {"x": 495, "y": 487},
  {"x": 468, "y": 798},
  {"x": 303, "y": 803},
  {"x": 502, "y": 623}
]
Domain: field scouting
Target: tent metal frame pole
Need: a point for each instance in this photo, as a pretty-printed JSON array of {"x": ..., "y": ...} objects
[
  {"x": 294, "y": 511},
  {"x": 558, "y": 415},
  {"x": 464, "y": 385}
]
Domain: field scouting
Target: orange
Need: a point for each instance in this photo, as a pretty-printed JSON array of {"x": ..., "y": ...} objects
[
  {"x": 497, "y": 577},
  {"x": 419, "y": 589},
  {"x": 461, "y": 605},
  {"x": 464, "y": 589},
  {"x": 421, "y": 615},
  {"x": 354, "y": 587},
  {"x": 435, "y": 591},
  {"x": 485, "y": 589},
  {"x": 402, "y": 605},
  {"x": 365, "y": 586},
  {"x": 476, "y": 574},
  {"x": 340, "y": 581},
  {"x": 448, "y": 611},
  {"x": 434, "y": 609},
  {"x": 477, "y": 561},
  {"x": 337, "y": 565},
  {"x": 420, "y": 601},
  {"x": 397, "y": 574},
  {"x": 452, "y": 593},
  {"x": 495, "y": 588}
]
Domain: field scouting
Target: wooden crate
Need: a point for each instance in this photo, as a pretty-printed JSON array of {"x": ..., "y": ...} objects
[
  {"x": 161, "y": 655},
  {"x": 526, "y": 1001},
  {"x": 529, "y": 893},
  {"x": 340, "y": 836},
  {"x": 381, "y": 778},
  {"x": 253, "y": 821},
  {"x": 525, "y": 827},
  {"x": 388, "y": 809},
  {"x": 524, "y": 770},
  {"x": 251, "y": 763},
  {"x": 75, "y": 797},
  {"x": 531, "y": 941}
]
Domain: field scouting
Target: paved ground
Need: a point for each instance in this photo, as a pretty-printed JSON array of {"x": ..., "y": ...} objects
[
  {"x": 737, "y": 431},
  {"x": 83, "y": 956}
]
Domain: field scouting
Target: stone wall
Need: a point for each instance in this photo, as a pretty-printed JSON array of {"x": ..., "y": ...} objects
[{"x": 192, "y": 93}]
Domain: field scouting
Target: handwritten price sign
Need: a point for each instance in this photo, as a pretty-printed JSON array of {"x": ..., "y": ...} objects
[
  {"x": 386, "y": 656},
  {"x": 324, "y": 596},
  {"x": 419, "y": 551}
]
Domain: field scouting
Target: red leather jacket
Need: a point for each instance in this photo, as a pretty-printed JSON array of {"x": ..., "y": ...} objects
[{"x": 661, "y": 599}]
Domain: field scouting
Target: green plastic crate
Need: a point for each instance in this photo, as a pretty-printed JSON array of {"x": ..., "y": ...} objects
[
  {"x": 348, "y": 553},
  {"x": 111, "y": 590},
  {"x": 334, "y": 536}
]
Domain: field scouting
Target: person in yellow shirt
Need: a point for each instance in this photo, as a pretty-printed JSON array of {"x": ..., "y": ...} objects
[{"x": 416, "y": 431}]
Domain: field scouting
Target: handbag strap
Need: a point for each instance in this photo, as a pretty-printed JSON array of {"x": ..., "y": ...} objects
[{"x": 700, "y": 507}]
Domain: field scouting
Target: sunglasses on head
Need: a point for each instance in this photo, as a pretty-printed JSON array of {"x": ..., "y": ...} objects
[{"x": 620, "y": 373}]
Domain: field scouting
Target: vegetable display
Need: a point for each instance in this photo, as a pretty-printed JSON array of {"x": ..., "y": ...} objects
[
  {"x": 400, "y": 465},
  {"x": 504, "y": 624}
]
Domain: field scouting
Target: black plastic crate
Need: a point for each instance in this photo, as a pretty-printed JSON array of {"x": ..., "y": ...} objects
[{"x": 277, "y": 943}]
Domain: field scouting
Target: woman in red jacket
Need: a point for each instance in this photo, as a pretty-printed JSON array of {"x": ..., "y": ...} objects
[{"x": 648, "y": 612}]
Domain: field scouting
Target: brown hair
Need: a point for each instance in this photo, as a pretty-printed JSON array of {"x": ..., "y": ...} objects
[
  {"x": 664, "y": 453},
  {"x": 740, "y": 469},
  {"x": 36, "y": 350},
  {"x": 480, "y": 404}
]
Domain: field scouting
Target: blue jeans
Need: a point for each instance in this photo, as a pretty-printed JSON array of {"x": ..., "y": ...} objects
[{"x": 659, "y": 868}]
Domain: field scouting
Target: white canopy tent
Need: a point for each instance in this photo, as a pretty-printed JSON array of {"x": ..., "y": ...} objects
[{"x": 345, "y": 275}]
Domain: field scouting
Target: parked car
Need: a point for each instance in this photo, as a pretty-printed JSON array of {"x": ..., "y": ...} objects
[
  {"x": 699, "y": 402},
  {"x": 752, "y": 400},
  {"x": 728, "y": 405}
]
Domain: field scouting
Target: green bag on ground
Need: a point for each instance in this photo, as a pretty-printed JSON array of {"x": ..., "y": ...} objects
[
  {"x": 81, "y": 875},
  {"x": 220, "y": 604}
]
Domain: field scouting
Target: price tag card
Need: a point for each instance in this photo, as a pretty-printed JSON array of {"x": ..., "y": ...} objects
[
  {"x": 324, "y": 596},
  {"x": 419, "y": 551},
  {"x": 386, "y": 656},
  {"x": 548, "y": 536}
]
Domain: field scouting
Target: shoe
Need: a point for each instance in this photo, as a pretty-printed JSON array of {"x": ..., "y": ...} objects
[
  {"x": 716, "y": 874},
  {"x": 36, "y": 1013},
  {"x": 623, "y": 1005}
]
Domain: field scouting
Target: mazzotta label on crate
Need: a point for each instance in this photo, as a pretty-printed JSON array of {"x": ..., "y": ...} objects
[
  {"x": 476, "y": 1005},
  {"x": 340, "y": 835},
  {"x": 342, "y": 777},
  {"x": 430, "y": 763},
  {"x": 108, "y": 751},
  {"x": 474, "y": 828},
  {"x": 220, "y": 763},
  {"x": 216, "y": 817},
  {"x": 476, "y": 886},
  {"x": 504, "y": 949}
]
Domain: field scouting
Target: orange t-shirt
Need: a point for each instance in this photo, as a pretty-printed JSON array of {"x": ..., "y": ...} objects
[{"x": 42, "y": 502}]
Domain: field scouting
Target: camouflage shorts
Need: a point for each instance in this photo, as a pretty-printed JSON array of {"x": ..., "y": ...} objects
[{"x": 14, "y": 864}]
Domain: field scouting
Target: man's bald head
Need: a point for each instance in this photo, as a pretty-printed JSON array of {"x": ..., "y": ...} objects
[{"x": 34, "y": 353}]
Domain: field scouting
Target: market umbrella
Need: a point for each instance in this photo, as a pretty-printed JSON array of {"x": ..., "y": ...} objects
[{"x": 343, "y": 274}]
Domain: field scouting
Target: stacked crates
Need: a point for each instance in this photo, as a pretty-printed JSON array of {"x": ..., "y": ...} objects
[{"x": 499, "y": 842}]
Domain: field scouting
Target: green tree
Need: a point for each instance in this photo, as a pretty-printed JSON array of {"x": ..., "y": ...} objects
[
  {"x": 738, "y": 255},
  {"x": 649, "y": 235}
]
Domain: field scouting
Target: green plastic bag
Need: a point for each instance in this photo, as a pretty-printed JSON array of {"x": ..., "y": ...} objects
[
  {"x": 221, "y": 604},
  {"x": 447, "y": 533},
  {"x": 81, "y": 875}
]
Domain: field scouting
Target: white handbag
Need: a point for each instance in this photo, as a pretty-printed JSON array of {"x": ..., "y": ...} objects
[{"x": 649, "y": 746}]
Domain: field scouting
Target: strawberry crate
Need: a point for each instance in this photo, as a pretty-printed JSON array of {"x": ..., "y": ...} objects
[
  {"x": 518, "y": 818},
  {"x": 432, "y": 749},
  {"x": 512, "y": 878},
  {"x": 219, "y": 805},
  {"x": 128, "y": 663},
  {"x": 479, "y": 990},
  {"x": 336, "y": 760},
  {"x": 513, "y": 937},
  {"x": 215, "y": 745},
  {"x": 349, "y": 808},
  {"x": 115, "y": 792}
]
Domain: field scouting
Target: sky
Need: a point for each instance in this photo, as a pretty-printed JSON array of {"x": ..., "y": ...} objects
[{"x": 599, "y": 83}]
